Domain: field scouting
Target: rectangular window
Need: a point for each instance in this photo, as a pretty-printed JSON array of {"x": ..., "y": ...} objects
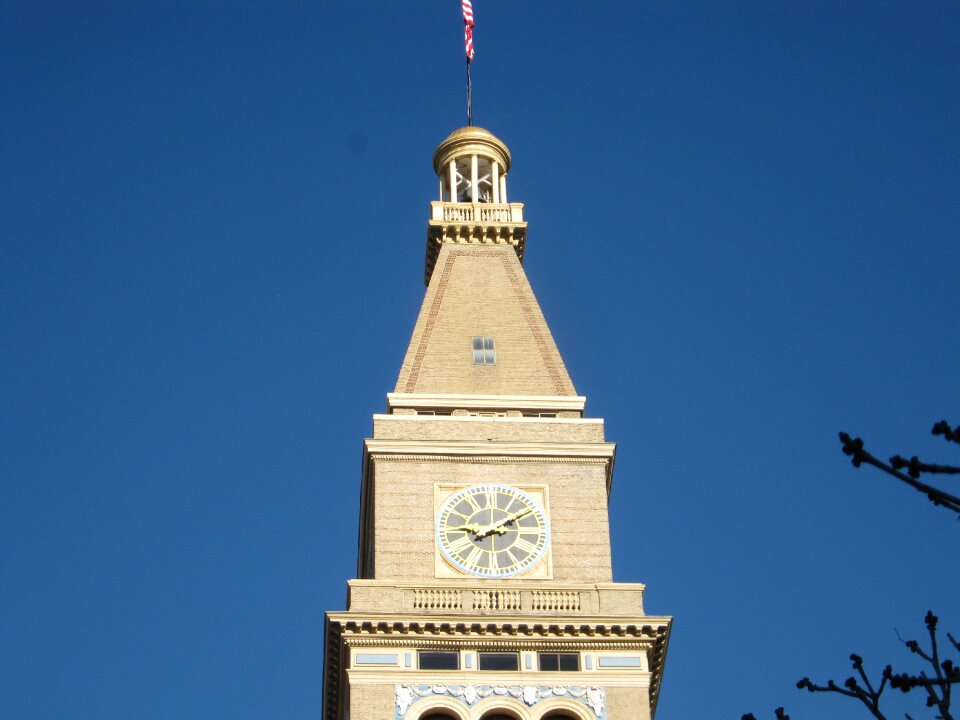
[
  {"x": 438, "y": 660},
  {"x": 483, "y": 351},
  {"x": 499, "y": 661},
  {"x": 555, "y": 662}
]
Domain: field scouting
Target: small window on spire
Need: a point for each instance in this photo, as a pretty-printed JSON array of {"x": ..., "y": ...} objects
[{"x": 483, "y": 351}]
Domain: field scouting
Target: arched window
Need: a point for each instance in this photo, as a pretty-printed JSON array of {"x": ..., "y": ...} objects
[
  {"x": 437, "y": 716},
  {"x": 561, "y": 715},
  {"x": 498, "y": 716}
]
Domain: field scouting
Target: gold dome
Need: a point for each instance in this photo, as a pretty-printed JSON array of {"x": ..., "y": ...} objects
[{"x": 471, "y": 140}]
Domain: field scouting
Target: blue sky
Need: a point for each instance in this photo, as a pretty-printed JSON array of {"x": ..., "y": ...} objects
[{"x": 744, "y": 224}]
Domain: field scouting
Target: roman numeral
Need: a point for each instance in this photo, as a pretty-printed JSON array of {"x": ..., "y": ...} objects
[
  {"x": 458, "y": 546},
  {"x": 526, "y": 546},
  {"x": 473, "y": 557}
]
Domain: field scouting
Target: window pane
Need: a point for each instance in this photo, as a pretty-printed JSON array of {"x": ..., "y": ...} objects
[
  {"x": 499, "y": 661},
  {"x": 484, "y": 352},
  {"x": 549, "y": 661},
  {"x": 567, "y": 662},
  {"x": 438, "y": 660}
]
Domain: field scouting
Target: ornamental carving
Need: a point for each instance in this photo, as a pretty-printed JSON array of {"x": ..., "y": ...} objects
[{"x": 591, "y": 697}]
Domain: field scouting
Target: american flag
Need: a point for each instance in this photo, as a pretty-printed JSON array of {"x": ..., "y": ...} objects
[{"x": 468, "y": 28}]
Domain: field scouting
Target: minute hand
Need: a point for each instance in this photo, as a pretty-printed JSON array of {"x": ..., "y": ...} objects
[{"x": 494, "y": 526}]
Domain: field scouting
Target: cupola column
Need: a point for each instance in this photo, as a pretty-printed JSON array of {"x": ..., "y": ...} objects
[
  {"x": 495, "y": 180},
  {"x": 453, "y": 180},
  {"x": 474, "y": 175}
]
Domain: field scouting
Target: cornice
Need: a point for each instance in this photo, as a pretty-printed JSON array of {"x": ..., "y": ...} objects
[
  {"x": 491, "y": 448},
  {"x": 487, "y": 418},
  {"x": 503, "y": 402},
  {"x": 648, "y": 627}
]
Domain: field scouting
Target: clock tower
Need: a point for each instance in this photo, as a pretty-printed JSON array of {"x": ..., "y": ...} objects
[{"x": 484, "y": 588}]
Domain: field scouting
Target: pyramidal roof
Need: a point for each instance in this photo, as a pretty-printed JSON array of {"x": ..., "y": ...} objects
[{"x": 481, "y": 291}]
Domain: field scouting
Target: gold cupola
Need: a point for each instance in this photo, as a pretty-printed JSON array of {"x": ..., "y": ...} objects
[{"x": 472, "y": 166}]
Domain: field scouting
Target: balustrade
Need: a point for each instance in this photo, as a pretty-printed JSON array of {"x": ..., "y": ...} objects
[
  {"x": 496, "y": 600},
  {"x": 555, "y": 601},
  {"x": 464, "y": 212},
  {"x": 437, "y": 599}
]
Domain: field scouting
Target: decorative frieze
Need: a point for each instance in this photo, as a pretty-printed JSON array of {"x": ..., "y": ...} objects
[{"x": 591, "y": 697}]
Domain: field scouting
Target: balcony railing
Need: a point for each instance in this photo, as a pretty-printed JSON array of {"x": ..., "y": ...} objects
[
  {"x": 480, "y": 213},
  {"x": 605, "y": 598}
]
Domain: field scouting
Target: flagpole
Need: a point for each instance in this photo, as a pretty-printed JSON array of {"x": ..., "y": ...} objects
[
  {"x": 469, "y": 96},
  {"x": 467, "y": 7}
]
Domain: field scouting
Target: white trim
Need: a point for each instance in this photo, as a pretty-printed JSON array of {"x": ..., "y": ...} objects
[{"x": 488, "y": 418}]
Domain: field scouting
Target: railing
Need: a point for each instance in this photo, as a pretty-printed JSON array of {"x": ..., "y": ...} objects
[
  {"x": 478, "y": 212},
  {"x": 447, "y": 597},
  {"x": 437, "y": 599},
  {"x": 555, "y": 601},
  {"x": 496, "y": 599}
]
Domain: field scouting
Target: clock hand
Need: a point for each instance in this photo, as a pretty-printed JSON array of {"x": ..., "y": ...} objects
[
  {"x": 473, "y": 529},
  {"x": 518, "y": 515},
  {"x": 496, "y": 527}
]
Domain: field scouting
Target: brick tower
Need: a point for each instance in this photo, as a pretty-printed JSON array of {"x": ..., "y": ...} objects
[{"x": 484, "y": 586}]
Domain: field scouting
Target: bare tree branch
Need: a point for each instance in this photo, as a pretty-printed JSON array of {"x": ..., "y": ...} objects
[
  {"x": 865, "y": 693},
  {"x": 946, "y": 673},
  {"x": 937, "y": 688},
  {"x": 778, "y": 713},
  {"x": 858, "y": 455},
  {"x": 943, "y": 428}
]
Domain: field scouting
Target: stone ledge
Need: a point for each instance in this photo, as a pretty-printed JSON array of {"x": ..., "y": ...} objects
[{"x": 495, "y": 597}]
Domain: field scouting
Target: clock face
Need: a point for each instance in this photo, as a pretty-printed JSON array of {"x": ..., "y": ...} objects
[{"x": 492, "y": 530}]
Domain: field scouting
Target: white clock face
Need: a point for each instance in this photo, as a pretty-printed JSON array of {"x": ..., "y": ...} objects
[{"x": 492, "y": 530}]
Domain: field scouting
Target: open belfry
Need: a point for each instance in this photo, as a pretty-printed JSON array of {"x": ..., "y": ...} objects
[{"x": 484, "y": 586}]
